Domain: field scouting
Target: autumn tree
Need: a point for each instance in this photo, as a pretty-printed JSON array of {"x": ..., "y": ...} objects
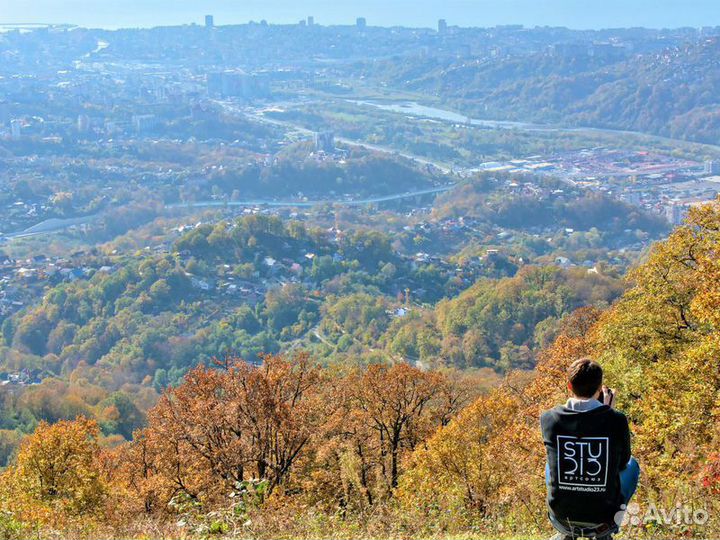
[
  {"x": 660, "y": 345},
  {"x": 227, "y": 424},
  {"x": 58, "y": 477},
  {"x": 485, "y": 464},
  {"x": 387, "y": 412},
  {"x": 394, "y": 402}
]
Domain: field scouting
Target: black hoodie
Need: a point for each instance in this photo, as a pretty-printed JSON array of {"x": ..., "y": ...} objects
[{"x": 586, "y": 450}]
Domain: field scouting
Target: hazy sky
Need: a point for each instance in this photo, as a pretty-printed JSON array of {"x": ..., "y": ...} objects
[{"x": 571, "y": 13}]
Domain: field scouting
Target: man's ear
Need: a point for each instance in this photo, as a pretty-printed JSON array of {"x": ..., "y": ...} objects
[{"x": 569, "y": 387}]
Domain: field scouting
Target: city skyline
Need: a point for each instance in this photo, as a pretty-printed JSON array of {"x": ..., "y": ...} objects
[{"x": 424, "y": 13}]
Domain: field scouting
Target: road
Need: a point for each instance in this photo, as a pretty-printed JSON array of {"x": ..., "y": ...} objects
[
  {"x": 54, "y": 225},
  {"x": 424, "y": 111},
  {"x": 310, "y": 203},
  {"x": 258, "y": 116}
]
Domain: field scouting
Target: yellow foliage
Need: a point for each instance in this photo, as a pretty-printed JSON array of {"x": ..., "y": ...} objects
[
  {"x": 58, "y": 479},
  {"x": 660, "y": 347},
  {"x": 484, "y": 468}
]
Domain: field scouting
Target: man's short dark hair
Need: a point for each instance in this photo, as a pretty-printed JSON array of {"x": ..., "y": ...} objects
[{"x": 586, "y": 377}]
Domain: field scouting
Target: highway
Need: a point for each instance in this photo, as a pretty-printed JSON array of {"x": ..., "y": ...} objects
[
  {"x": 259, "y": 116},
  {"x": 316, "y": 202},
  {"x": 54, "y": 225}
]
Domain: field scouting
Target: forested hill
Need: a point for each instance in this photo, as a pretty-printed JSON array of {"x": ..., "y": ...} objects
[
  {"x": 674, "y": 93},
  {"x": 482, "y": 292},
  {"x": 293, "y": 449}
]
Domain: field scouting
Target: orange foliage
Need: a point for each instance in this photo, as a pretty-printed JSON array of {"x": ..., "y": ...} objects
[
  {"x": 224, "y": 426},
  {"x": 58, "y": 479}
]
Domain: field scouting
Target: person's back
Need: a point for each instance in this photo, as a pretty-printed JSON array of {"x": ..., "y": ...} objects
[{"x": 589, "y": 471}]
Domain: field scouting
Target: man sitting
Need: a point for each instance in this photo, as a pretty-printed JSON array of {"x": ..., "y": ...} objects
[{"x": 590, "y": 473}]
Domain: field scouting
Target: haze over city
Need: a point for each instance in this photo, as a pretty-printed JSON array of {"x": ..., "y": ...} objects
[{"x": 578, "y": 14}]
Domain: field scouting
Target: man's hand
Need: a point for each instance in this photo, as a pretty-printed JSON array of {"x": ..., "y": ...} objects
[{"x": 608, "y": 396}]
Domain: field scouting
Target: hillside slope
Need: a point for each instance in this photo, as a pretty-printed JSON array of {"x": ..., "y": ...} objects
[{"x": 674, "y": 93}]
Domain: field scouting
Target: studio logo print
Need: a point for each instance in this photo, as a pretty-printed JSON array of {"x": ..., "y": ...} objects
[{"x": 582, "y": 463}]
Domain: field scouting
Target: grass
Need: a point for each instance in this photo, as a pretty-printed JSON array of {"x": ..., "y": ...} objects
[{"x": 449, "y": 537}]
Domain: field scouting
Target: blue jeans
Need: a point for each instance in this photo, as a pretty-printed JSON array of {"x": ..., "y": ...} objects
[{"x": 628, "y": 478}]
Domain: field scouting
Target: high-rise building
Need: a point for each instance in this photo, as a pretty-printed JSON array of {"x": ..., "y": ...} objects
[
  {"x": 144, "y": 122},
  {"x": 4, "y": 113},
  {"x": 675, "y": 213},
  {"x": 310, "y": 20},
  {"x": 711, "y": 167},
  {"x": 442, "y": 26},
  {"x": 325, "y": 141},
  {"x": 361, "y": 22},
  {"x": 237, "y": 84},
  {"x": 15, "y": 129},
  {"x": 83, "y": 123},
  {"x": 209, "y": 21}
]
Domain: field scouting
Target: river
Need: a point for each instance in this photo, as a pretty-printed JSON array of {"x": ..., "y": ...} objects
[{"x": 413, "y": 108}]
